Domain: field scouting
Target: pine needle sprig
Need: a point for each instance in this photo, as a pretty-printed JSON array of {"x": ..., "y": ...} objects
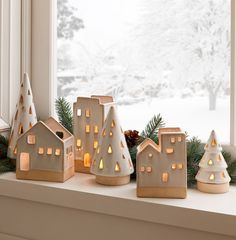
[
  {"x": 152, "y": 128},
  {"x": 6, "y": 165},
  {"x": 64, "y": 113},
  {"x": 3, "y": 140}
]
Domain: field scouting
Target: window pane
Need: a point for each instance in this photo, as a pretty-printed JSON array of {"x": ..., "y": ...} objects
[{"x": 153, "y": 56}]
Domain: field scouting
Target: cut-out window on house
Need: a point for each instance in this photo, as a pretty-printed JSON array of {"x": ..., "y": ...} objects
[
  {"x": 87, "y": 129},
  {"x": 87, "y": 113},
  {"x": 20, "y": 130},
  {"x": 173, "y": 166},
  {"x": 78, "y": 143},
  {"x": 49, "y": 151},
  {"x": 95, "y": 129},
  {"x": 41, "y": 150},
  {"x": 179, "y": 139},
  {"x": 117, "y": 167},
  {"x": 149, "y": 169},
  {"x": 109, "y": 149},
  {"x": 180, "y": 166},
  {"x": 172, "y": 140},
  {"x": 95, "y": 144},
  {"x": 212, "y": 177},
  {"x": 150, "y": 155},
  {"x": 210, "y": 162},
  {"x": 31, "y": 139},
  {"x": 24, "y": 161},
  {"x": 142, "y": 169},
  {"x": 101, "y": 164},
  {"x": 87, "y": 160},
  {"x": 30, "y": 110},
  {"x": 79, "y": 112},
  {"x": 165, "y": 177},
  {"x": 58, "y": 152},
  {"x": 169, "y": 150}
]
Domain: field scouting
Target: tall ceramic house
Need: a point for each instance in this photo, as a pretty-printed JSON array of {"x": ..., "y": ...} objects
[
  {"x": 162, "y": 169},
  {"x": 45, "y": 152},
  {"x": 89, "y": 117}
]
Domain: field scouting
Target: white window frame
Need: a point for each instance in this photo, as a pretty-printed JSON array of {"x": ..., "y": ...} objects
[
  {"x": 38, "y": 58},
  {"x": 10, "y": 62}
]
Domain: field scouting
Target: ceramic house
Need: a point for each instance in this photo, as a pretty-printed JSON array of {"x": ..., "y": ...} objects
[
  {"x": 162, "y": 169},
  {"x": 89, "y": 116},
  {"x": 45, "y": 152},
  {"x": 112, "y": 163}
]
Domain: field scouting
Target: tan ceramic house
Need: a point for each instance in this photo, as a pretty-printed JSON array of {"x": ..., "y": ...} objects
[
  {"x": 45, "y": 152},
  {"x": 89, "y": 117},
  {"x": 162, "y": 169}
]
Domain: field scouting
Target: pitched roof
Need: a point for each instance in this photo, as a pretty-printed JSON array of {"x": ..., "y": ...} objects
[{"x": 148, "y": 142}]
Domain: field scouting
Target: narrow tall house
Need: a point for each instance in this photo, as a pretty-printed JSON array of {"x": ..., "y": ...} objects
[
  {"x": 45, "y": 152},
  {"x": 162, "y": 169},
  {"x": 89, "y": 117}
]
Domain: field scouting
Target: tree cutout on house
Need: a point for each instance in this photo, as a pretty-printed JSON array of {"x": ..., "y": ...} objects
[
  {"x": 212, "y": 176},
  {"x": 114, "y": 166},
  {"x": 25, "y": 116}
]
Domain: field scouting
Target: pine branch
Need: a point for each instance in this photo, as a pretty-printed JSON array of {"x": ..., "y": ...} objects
[
  {"x": 64, "y": 113},
  {"x": 6, "y": 166},
  {"x": 3, "y": 140},
  {"x": 151, "y": 130}
]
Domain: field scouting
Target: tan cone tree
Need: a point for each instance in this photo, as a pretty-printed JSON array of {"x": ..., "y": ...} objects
[
  {"x": 112, "y": 163},
  {"x": 25, "y": 115}
]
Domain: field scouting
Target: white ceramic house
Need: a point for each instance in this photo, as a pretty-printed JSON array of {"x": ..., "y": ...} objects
[
  {"x": 112, "y": 163},
  {"x": 45, "y": 152},
  {"x": 162, "y": 169},
  {"x": 89, "y": 116}
]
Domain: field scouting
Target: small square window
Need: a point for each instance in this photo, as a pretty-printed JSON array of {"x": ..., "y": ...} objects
[
  {"x": 95, "y": 144},
  {"x": 41, "y": 151},
  {"x": 87, "y": 129},
  {"x": 169, "y": 150},
  {"x": 31, "y": 139},
  {"x": 165, "y": 177},
  {"x": 49, "y": 151},
  {"x": 172, "y": 140},
  {"x": 79, "y": 143},
  {"x": 179, "y": 139},
  {"x": 95, "y": 129},
  {"x": 173, "y": 166},
  {"x": 180, "y": 166},
  {"x": 58, "y": 152},
  {"x": 142, "y": 169},
  {"x": 79, "y": 112},
  {"x": 24, "y": 161},
  {"x": 149, "y": 169}
]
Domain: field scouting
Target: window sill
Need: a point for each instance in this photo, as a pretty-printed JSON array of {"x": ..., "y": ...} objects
[{"x": 201, "y": 212}]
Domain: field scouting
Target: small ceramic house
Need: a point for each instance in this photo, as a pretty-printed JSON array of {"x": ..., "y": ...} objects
[
  {"x": 89, "y": 117},
  {"x": 45, "y": 152},
  {"x": 162, "y": 169}
]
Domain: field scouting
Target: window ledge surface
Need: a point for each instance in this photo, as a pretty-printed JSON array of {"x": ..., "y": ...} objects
[{"x": 200, "y": 211}]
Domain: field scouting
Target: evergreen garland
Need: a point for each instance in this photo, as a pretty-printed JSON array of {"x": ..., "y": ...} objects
[{"x": 64, "y": 113}]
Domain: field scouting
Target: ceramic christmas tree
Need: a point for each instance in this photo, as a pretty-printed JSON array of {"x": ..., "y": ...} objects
[
  {"x": 112, "y": 162},
  {"x": 25, "y": 116},
  {"x": 212, "y": 176}
]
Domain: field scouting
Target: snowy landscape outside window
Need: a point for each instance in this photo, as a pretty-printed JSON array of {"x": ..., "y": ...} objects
[{"x": 153, "y": 56}]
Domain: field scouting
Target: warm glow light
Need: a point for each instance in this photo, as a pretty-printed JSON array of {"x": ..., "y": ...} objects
[
  {"x": 98, "y": 150},
  {"x": 150, "y": 155},
  {"x": 172, "y": 140},
  {"x": 117, "y": 167},
  {"x": 210, "y": 162},
  {"x": 104, "y": 133},
  {"x": 78, "y": 143},
  {"x": 87, "y": 129},
  {"x": 173, "y": 166},
  {"x": 31, "y": 139},
  {"x": 149, "y": 169},
  {"x": 169, "y": 150},
  {"x": 113, "y": 123},
  {"x": 40, "y": 151},
  {"x": 87, "y": 160},
  {"x": 179, "y": 139},
  {"x": 212, "y": 177},
  {"x": 142, "y": 169},
  {"x": 213, "y": 142},
  {"x": 222, "y": 175},
  {"x": 180, "y": 166},
  {"x": 20, "y": 131},
  {"x": 95, "y": 144},
  {"x": 101, "y": 165},
  {"x": 58, "y": 152},
  {"x": 110, "y": 133},
  {"x": 30, "y": 110},
  {"x": 15, "y": 151},
  {"x": 109, "y": 149},
  {"x": 49, "y": 151},
  {"x": 165, "y": 177},
  {"x": 24, "y": 161},
  {"x": 30, "y": 125},
  {"x": 95, "y": 129},
  {"x": 87, "y": 113}
]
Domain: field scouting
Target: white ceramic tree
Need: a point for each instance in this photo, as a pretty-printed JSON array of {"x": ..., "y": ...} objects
[
  {"x": 212, "y": 176},
  {"x": 112, "y": 163},
  {"x": 25, "y": 115}
]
